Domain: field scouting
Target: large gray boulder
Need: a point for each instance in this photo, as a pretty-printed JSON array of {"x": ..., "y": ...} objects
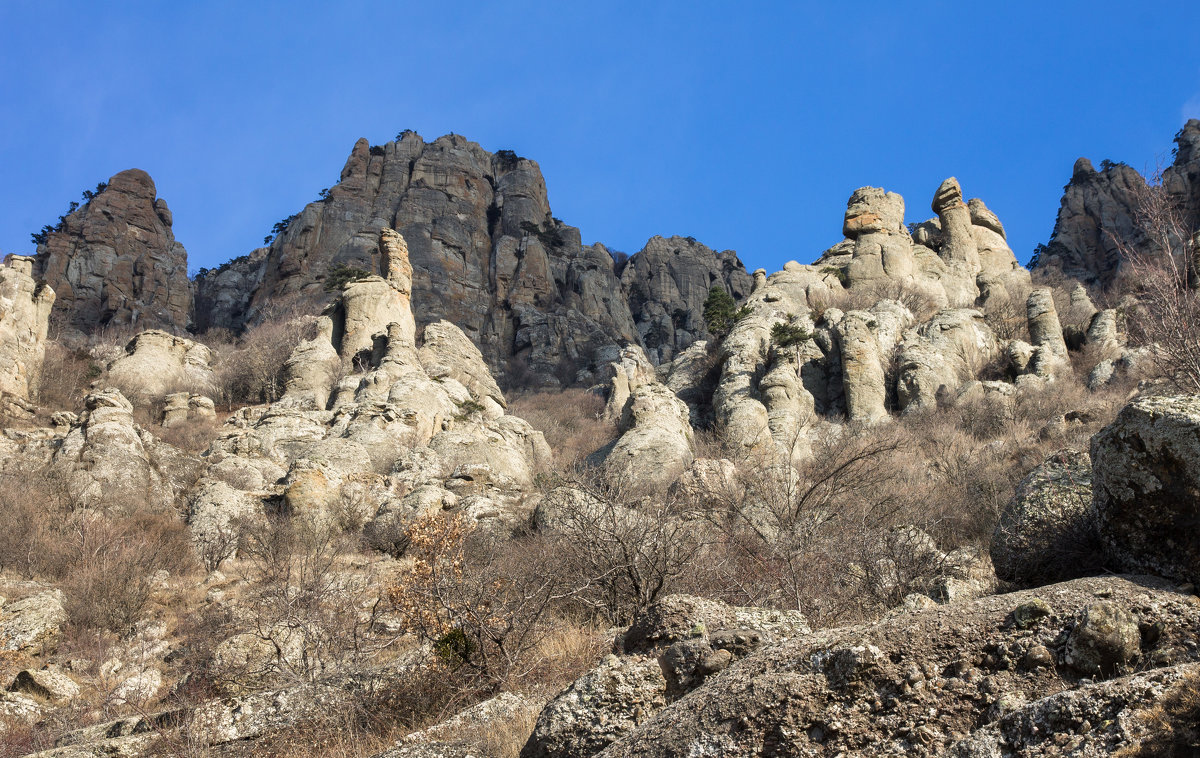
[
  {"x": 33, "y": 624},
  {"x": 672, "y": 647},
  {"x": 1045, "y": 532},
  {"x": 1146, "y": 476}
]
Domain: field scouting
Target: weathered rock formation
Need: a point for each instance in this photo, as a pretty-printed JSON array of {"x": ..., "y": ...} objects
[
  {"x": 418, "y": 424},
  {"x": 24, "y": 319},
  {"x": 156, "y": 363},
  {"x": 671, "y": 648},
  {"x": 795, "y": 358},
  {"x": 116, "y": 261},
  {"x": 487, "y": 256},
  {"x": 1044, "y": 534},
  {"x": 655, "y": 446},
  {"x": 1100, "y": 208}
]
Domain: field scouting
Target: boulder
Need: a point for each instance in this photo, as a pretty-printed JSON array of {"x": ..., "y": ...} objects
[
  {"x": 862, "y": 369},
  {"x": 940, "y": 356},
  {"x": 1146, "y": 475},
  {"x": 911, "y": 684},
  {"x": 1107, "y": 718},
  {"x": 156, "y": 363},
  {"x": 1105, "y": 640},
  {"x": 655, "y": 446},
  {"x": 1044, "y": 533},
  {"x": 45, "y": 684},
  {"x": 598, "y": 708},
  {"x": 33, "y": 624}
]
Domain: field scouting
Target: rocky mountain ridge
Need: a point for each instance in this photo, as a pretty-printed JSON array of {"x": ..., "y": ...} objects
[
  {"x": 1101, "y": 208},
  {"x": 487, "y": 256}
]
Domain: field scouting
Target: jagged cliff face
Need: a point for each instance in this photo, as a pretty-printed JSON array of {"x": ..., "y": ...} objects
[
  {"x": 115, "y": 260},
  {"x": 1100, "y": 207},
  {"x": 487, "y": 255}
]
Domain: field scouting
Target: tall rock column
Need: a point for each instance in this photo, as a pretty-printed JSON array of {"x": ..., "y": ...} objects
[
  {"x": 862, "y": 369},
  {"x": 959, "y": 248},
  {"x": 882, "y": 249},
  {"x": 115, "y": 260},
  {"x": 368, "y": 306},
  {"x": 24, "y": 320}
]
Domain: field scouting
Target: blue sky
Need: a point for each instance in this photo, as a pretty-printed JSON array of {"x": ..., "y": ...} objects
[{"x": 746, "y": 125}]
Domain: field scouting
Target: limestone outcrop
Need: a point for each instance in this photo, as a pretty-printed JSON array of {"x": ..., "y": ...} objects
[
  {"x": 794, "y": 358},
  {"x": 108, "y": 462},
  {"x": 157, "y": 363},
  {"x": 655, "y": 446},
  {"x": 418, "y": 422},
  {"x": 115, "y": 260},
  {"x": 25, "y": 308}
]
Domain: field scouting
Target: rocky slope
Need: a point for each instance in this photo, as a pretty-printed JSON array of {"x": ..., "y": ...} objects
[
  {"x": 115, "y": 260},
  {"x": 487, "y": 256},
  {"x": 1100, "y": 207}
]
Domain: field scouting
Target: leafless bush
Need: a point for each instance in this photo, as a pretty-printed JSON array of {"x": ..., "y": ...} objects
[
  {"x": 112, "y": 563},
  {"x": 483, "y": 608},
  {"x": 572, "y": 421},
  {"x": 620, "y": 549},
  {"x": 66, "y": 377},
  {"x": 250, "y": 370},
  {"x": 303, "y": 602},
  {"x": 1165, "y": 276},
  {"x": 822, "y": 538},
  {"x": 33, "y": 509},
  {"x": 1008, "y": 317}
]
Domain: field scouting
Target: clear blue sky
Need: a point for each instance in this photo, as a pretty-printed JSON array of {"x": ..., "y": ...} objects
[{"x": 745, "y": 125}]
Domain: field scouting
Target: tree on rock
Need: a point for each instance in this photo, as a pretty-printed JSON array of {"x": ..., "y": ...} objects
[{"x": 720, "y": 312}]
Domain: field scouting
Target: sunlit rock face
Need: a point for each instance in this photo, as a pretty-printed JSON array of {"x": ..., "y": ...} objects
[{"x": 115, "y": 261}]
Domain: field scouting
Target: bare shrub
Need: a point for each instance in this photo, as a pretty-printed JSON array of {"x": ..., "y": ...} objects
[
  {"x": 303, "y": 601},
  {"x": 112, "y": 563},
  {"x": 619, "y": 548},
  {"x": 250, "y": 370},
  {"x": 822, "y": 538},
  {"x": 66, "y": 377},
  {"x": 918, "y": 299},
  {"x": 572, "y": 421},
  {"x": 33, "y": 509},
  {"x": 483, "y": 609},
  {"x": 1008, "y": 317}
]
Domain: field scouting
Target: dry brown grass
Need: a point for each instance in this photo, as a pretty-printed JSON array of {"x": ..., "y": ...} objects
[
  {"x": 1172, "y": 725},
  {"x": 572, "y": 421}
]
